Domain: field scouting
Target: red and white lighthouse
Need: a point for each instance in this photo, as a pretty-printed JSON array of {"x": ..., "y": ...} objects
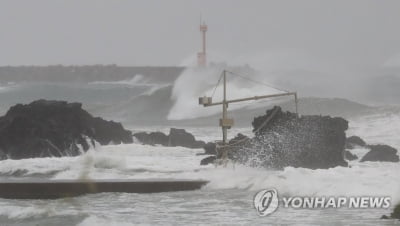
[{"x": 201, "y": 56}]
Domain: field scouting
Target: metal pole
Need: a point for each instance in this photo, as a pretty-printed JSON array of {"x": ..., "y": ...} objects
[
  {"x": 224, "y": 151},
  {"x": 224, "y": 113},
  {"x": 295, "y": 101},
  {"x": 204, "y": 42}
]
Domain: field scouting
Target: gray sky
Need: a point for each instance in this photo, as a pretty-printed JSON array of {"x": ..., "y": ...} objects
[{"x": 355, "y": 35}]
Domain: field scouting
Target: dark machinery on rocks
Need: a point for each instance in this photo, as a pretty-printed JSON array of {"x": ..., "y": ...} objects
[{"x": 226, "y": 123}]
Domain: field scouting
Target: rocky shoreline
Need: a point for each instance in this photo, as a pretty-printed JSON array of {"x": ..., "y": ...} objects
[
  {"x": 176, "y": 137},
  {"x": 283, "y": 139},
  {"x": 46, "y": 128},
  {"x": 395, "y": 214}
]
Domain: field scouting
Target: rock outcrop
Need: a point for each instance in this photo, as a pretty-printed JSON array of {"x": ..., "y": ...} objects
[
  {"x": 284, "y": 139},
  {"x": 54, "y": 128},
  {"x": 210, "y": 149},
  {"x": 176, "y": 137},
  {"x": 394, "y": 215},
  {"x": 382, "y": 153},
  {"x": 377, "y": 153},
  {"x": 355, "y": 141},
  {"x": 153, "y": 138},
  {"x": 350, "y": 156},
  {"x": 396, "y": 212},
  {"x": 208, "y": 160}
]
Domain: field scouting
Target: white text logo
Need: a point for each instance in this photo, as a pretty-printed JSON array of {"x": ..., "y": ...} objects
[{"x": 267, "y": 201}]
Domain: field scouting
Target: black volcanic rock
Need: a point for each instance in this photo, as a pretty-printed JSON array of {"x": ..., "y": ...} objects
[
  {"x": 395, "y": 214},
  {"x": 381, "y": 153},
  {"x": 208, "y": 160},
  {"x": 354, "y": 141},
  {"x": 179, "y": 137},
  {"x": 210, "y": 148},
  {"x": 152, "y": 138},
  {"x": 2, "y": 155},
  {"x": 54, "y": 128},
  {"x": 350, "y": 156},
  {"x": 176, "y": 137},
  {"x": 284, "y": 139}
]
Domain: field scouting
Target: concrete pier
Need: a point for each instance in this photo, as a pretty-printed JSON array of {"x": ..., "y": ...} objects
[{"x": 53, "y": 189}]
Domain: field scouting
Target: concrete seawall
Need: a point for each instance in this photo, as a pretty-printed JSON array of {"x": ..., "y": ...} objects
[{"x": 53, "y": 189}]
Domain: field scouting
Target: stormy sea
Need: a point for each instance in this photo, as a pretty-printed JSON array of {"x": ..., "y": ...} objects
[{"x": 156, "y": 103}]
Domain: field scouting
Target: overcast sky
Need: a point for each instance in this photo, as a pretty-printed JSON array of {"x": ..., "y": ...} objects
[{"x": 359, "y": 35}]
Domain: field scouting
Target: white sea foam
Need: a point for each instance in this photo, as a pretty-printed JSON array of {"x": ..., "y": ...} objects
[
  {"x": 7, "y": 87},
  {"x": 100, "y": 221},
  {"x": 135, "y": 161},
  {"x": 383, "y": 127},
  {"x": 194, "y": 83},
  {"x": 32, "y": 211},
  {"x": 136, "y": 80}
]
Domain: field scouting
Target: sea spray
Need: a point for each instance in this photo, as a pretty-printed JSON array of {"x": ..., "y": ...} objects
[
  {"x": 191, "y": 84},
  {"x": 197, "y": 82}
]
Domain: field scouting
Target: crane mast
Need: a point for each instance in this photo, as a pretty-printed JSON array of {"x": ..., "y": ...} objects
[{"x": 226, "y": 123}]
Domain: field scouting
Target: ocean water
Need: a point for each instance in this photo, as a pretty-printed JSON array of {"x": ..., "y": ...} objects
[{"x": 226, "y": 200}]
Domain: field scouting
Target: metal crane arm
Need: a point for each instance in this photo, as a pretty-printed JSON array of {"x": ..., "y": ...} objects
[{"x": 253, "y": 98}]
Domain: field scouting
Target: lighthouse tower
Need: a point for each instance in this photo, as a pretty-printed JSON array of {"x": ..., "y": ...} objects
[{"x": 201, "y": 56}]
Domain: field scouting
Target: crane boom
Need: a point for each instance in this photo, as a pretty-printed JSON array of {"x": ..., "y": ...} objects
[{"x": 252, "y": 98}]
